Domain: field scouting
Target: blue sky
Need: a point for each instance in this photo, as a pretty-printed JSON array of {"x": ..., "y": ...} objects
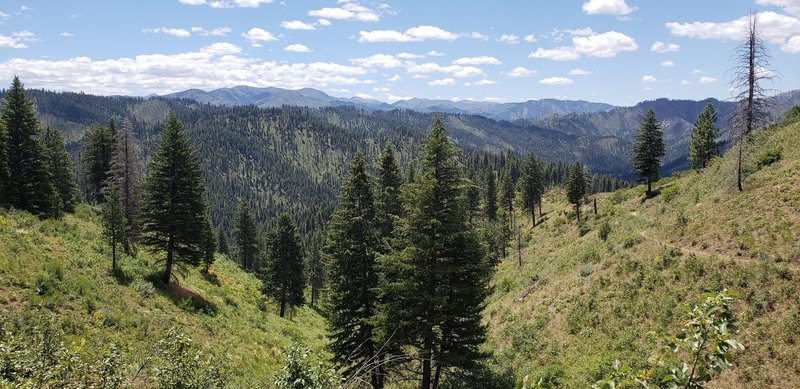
[{"x": 615, "y": 51}]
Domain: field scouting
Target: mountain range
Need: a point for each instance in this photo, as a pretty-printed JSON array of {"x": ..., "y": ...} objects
[{"x": 312, "y": 98}]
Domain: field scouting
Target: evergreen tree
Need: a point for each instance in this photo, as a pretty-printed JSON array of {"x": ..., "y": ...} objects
[
  {"x": 388, "y": 192},
  {"x": 576, "y": 187},
  {"x": 174, "y": 210},
  {"x": 28, "y": 187},
  {"x": 98, "y": 152},
  {"x": 246, "y": 238},
  {"x": 437, "y": 278},
  {"x": 473, "y": 194},
  {"x": 315, "y": 265},
  {"x": 532, "y": 185},
  {"x": 222, "y": 242},
  {"x": 282, "y": 272},
  {"x": 490, "y": 197},
  {"x": 703, "y": 145},
  {"x": 114, "y": 221},
  {"x": 350, "y": 250},
  {"x": 507, "y": 206},
  {"x": 126, "y": 171},
  {"x": 59, "y": 164},
  {"x": 209, "y": 245},
  {"x": 4, "y": 172},
  {"x": 648, "y": 150}
]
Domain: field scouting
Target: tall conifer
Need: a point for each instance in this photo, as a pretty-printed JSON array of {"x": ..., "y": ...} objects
[
  {"x": 282, "y": 272},
  {"x": 703, "y": 145},
  {"x": 59, "y": 164},
  {"x": 246, "y": 238},
  {"x": 98, "y": 152},
  {"x": 576, "y": 187},
  {"x": 648, "y": 150}
]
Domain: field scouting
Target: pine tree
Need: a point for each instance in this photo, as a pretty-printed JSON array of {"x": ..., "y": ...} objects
[
  {"x": 59, "y": 164},
  {"x": 126, "y": 171},
  {"x": 222, "y": 242},
  {"x": 114, "y": 221},
  {"x": 648, "y": 150},
  {"x": 350, "y": 250},
  {"x": 576, "y": 187},
  {"x": 28, "y": 187},
  {"x": 246, "y": 238},
  {"x": 174, "y": 209},
  {"x": 703, "y": 145},
  {"x": 388, "y": 192},
  {"x": 209, "y": 245},
  {"x": 532, "y": 185},
  {"x": 315, "y": 265},
  {"x": 437, "y": 278},
  {"x": 473, "y": 196},
  {"x": 507, "y": 205},
  {"x": 490, "y": 197},
  {"x": 4, "y": 172},
  {"x": 282, "y": 272},
  {"x": 98, "y": 152}
]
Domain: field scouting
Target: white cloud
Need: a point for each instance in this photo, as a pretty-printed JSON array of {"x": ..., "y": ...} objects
[
  {"x": 686, "y": 82},
  {"x": 25, "y": 36},
  {"x": 667, "y": 64},
  {"x": 456, "y": 70},
  {"x": 238, "y": 3},
  {"x": 215, "y": 66},
  {"x": 297, "y": 48},
  {"x": 605, "y": 45},
  {"x": 519, "y": 71},
  {"x": 296, "y": 25},
  {"x": 219, "y": 31},
  {"x": 323, "y": 22},
  {"x": 707, "y": 80},
  {"x": 579, "y": 72},
  {"x": 257, "y": 35},
  {"x": 790, "y": 6},
  {"x": 697, "y": 72},
  {"x": 649, "y": 79},
  {"x": 792, "y": 45},
  {"x": 508, "y": 38},
  {"x": 414, "y": 34},
  {"x": 494, "y": 99},
  {"x": 530, "y": 38},
  {"x": 442, "y": 82},
  {"x": 179, "y": 32},
  {"x": 348, "y": 11},
  {"x": 661, "y": 47},
  {"x": 556, "y": 81},
  {"x": 482, "y": 82},
  {"x": 11, "y": 42},
  {"x": 192, "y": 2},
  {"x": 384, "y": 61},
  {"x": 775, "y": 28},
  {"x": 395, "y": 78},
  {"x": 477, "y": 35},
  {"x": 607, "y": 7},
  {"x": 66, "y": 34},
  {"x": 434, "y": 53},
  {"x": 482, "y": 60},
  {"x": 4, "y": 16},
  {"x": 405, "y": 55},
  {"x": 562, "y": 53}
]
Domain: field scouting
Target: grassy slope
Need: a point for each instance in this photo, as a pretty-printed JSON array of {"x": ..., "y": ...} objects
[
  {"x": 61, "y": 268},
  {"x": 596, "y": 301}
]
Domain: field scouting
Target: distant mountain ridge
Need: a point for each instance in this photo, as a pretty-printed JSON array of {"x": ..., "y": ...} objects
[{"x": 313, "y": 98}]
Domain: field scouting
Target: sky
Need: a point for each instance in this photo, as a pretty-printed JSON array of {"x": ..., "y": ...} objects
[{"x": 613, "y": 51}]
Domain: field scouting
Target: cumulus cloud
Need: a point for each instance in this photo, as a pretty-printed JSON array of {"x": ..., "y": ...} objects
[
  {"x": 508, "y": 38},
  {"x": 791, "y": 7},
  {"x": 434, "y": 53},
  {"x": 227, "y": 3},
  {"x": 477, "y": 35},
  {"x": 395, "y": 78},
  {"x": 579, "y": 72},
  {"x": 214, "y": 66},
  {"x": 296, "y": 25},
  {"x": 667, "y": 64},
  {"x": 530, "y": 38},
  {"x": 482, "y": 60},
  {"x": 556, "y": 81},
  {"x": 455, "y": 70},
  {"x": 482, "y": 82},
  {"x": 257, "y": 35},
  {"x": 442, "y": 82},
  {"x": 66, "y": 34},
  {"x": 11, "y": 42},
  {"x": 707, "y": 80},
  {"x": 414, "y": 34},
  {"x": 661, "y": 47},
  {"x": 792, "y": 45},
  {"x": 297, "y": 48},
  {"x": 605, "y": 45},
  {"x": 179, "y": 32},
  {"x": 405, "y": 55},
  {"x": 607, "y": 7},
  {"x": 686, "y": 82},
  {"x": 348, "y": 11},
  {"x": 519, "y": 71},
  {"x": 649, "y": 79},
  {"x": 219, "y": 31},
  {"x": 323, "y": 22},
  {"x": 383, "y": 61},
  {"x": 775, "y": 28}
]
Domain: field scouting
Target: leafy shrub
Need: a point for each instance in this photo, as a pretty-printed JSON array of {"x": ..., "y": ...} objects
[
  {"x": 586, "y": 271},
  {"x": 632, "y": 241},
  {"x": 145, "y": 288},
  {"x": 670, "y": 193},
  {"x": 181, "y": 363},
  {"x": 583, "y": 229},
  {"x": 768, "y": 157},
  {"x": 604, "y": 230},
  {"x": 299, "y": 374},
  {"x": 793, "y": 115}
]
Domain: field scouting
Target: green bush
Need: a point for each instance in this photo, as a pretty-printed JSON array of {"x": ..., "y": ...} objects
[
  {"x": 181, "y": 363},
  {"x": 604, "y": 230},
  {"x": 299, "y": 374},
  {"x": 793, "y": 115},
  {"x": 145, "y": 288},
  {"x": 583, "y": 229},
  {"x": 768, "y": 157}
]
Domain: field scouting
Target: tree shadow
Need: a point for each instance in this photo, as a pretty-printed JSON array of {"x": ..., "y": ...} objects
[
  {"x": 189, "y": 300},
  {"x": 211, "y": 277},
  {"x": 123, "y": 277}
]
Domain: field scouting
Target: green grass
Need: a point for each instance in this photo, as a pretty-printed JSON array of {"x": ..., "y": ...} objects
[
  {"x": 596, "y": 301},
  {"x": 60, "y": 269}
]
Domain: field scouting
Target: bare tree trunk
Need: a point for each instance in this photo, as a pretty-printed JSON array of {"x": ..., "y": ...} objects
[
  {"x": 595, "y": 206},
  {"x": 113, "y": 253},
  {"x": 426, "y": 368},
  {"x": 170, "y": 253},
  {"x": 437, "y": 375}
]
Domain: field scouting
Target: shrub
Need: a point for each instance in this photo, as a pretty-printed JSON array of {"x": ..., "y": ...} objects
[
  {"x": 145, "y": 289},
  {"x": 768, "y": 157},
  {"x": 793, "y": 115},
  {"x": 299, "y": 374},
  {"x": 181, "y": 363},
  {"x": 586, "y": 271},
  {"x": 604, "y": 230},
  {"x": 583, "y": 229}
]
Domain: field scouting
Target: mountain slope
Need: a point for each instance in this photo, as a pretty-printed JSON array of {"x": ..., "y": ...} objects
[
  {"x": 59, "y": 272},
  {"x": 578, "y": 303}
]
